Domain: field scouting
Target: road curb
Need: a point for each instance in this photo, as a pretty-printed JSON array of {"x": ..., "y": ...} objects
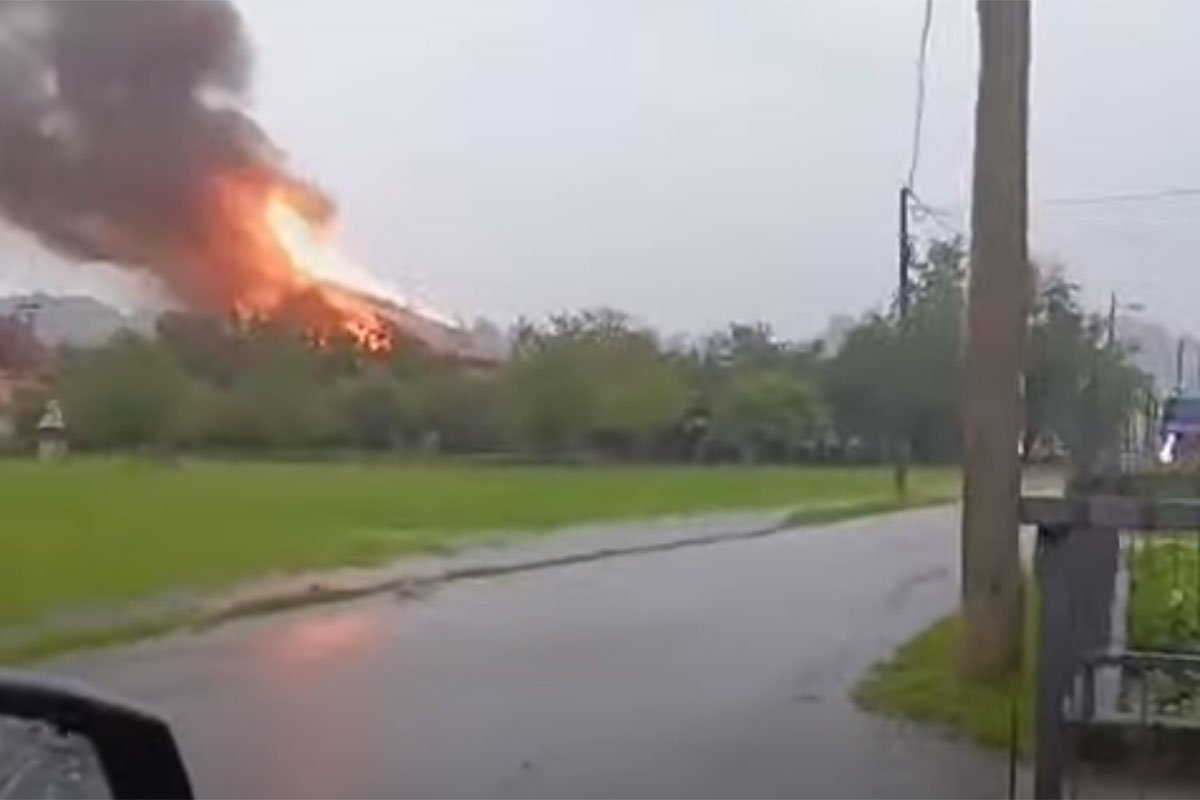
[{"x": 409, "y": 583}]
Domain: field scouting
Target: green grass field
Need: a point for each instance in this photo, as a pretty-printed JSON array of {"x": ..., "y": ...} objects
[{"x": 99, "y": 532}]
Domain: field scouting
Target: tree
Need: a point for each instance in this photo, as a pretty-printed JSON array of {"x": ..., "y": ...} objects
[
  {"x": 593, "y": 377},
  {"x": 206, "y": 348},
  {"x": 639, "y": 392},
  {"x": 548, "y": 403},
  {"x": 929, "y": 353},
  {"x": 753, "y": 395},
  {"x": 279, "y": 396},
  {"x": 1057, "y": 363},
  {"x": 861, "y": 384},
  {"x": 765, "y": 412},
  {"x": 897, "y": 378},
  {"x": 1079, "y": 387},
  {"x": 745, "y": 345},
  {"x": 461, "y": 407},
  {"x": 123, "y": 394},
  {"x": 379, "y": 414},
  {"x": 598, "y": 383},
  {"x": 25, "y": 408}
]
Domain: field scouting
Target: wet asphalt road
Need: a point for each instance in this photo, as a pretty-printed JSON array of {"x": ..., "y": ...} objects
[{"x": 710, "y": 671}]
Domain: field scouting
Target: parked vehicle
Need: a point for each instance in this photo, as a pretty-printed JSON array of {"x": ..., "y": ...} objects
[{"x": 1179, "y": 437}]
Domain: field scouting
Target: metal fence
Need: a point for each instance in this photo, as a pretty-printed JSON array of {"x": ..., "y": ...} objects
[{"x": 1118, "y": 582}]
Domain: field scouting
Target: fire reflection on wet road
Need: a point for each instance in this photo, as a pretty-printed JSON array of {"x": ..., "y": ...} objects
[{"x": 304, "y": 641}]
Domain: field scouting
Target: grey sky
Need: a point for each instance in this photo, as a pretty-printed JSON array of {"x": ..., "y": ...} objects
[{"x": 696, "y": 162}]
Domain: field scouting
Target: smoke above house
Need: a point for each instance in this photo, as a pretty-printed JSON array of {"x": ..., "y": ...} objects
[{"x": 126, "y": 137}]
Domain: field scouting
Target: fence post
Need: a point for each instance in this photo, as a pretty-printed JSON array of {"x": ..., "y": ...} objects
[
  {"x": 1093, "y": 562},
  {"x": 1054, "y": 659}
]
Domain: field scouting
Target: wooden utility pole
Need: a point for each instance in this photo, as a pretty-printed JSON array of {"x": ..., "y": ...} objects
[
  {"x": 901, "y": 441},
  {"x": 997, "y": 305}
]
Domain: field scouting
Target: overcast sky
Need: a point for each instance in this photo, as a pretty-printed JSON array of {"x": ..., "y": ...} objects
[{"x": 696, "y": 162}]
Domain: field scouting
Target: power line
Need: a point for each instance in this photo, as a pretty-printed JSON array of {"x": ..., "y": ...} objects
[
  {"x": 919, "y": 115},
  {"x": 932, "y": 211},
  {"x": 1125, "y": 197},
  {"x": 941, "y": 218},
  {"x": 941, "y": 214},
  {"x": 948, "y": 228}
]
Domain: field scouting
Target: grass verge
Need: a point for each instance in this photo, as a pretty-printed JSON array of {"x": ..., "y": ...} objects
[
  {"x": 921, "y": 682},
  {"x": 93, "y": 534},
  {"x": 823, "y": 513},
  {"x": 1164, "y": 605}
]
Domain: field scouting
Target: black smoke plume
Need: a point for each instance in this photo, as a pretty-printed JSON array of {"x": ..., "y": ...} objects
[{"x": 119, "y": 121}]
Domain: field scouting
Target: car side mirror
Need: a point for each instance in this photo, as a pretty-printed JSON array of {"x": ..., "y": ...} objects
[{"x": 61, "y": 740}]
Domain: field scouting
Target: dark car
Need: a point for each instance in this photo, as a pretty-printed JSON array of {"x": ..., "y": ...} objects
[{"x": 1179, "y": 439}]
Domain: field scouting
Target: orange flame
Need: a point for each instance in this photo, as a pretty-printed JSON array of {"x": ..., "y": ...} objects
[
  {"x": 318, "y": 265},
  {"x": 269, "y": 252},
  {"x": 283, "y": 264}
]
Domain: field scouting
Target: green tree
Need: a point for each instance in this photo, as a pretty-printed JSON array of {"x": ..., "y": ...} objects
[
  {"x": 461, "y": 407},
  {"x": 379, "y": 412},
  {"x": 745, "y": 345},
  {"x": 594, "y": 377},
  {"x": 861, "y": 384},
  {"x": 929, "y": 353},
  {"x": 897, "y": 378},
  {"x": 765, "y": 412},
  {"x": 25, "y": 409},
  {"x": 639, "y": 392},
  {"x": 205, "y": 347},
  {"x": 122, "y": 394},
  {"x": 1080, "y": 388},
  {"x": 1056, "y": 362},
  {"x": 548, "y": 403},
  {"x": 280, "y": 397}
]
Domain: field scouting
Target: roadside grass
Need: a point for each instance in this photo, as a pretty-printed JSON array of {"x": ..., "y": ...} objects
[
  {"x": 1164, "y": 605},
  {"x": 95, "y": 533},
  {"x": 921, "y": 682}
]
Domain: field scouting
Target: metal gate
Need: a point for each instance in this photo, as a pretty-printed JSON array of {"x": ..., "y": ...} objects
[{"x": 1118, "y": 668}]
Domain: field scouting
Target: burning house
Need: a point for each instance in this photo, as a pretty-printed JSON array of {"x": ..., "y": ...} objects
[
  {"x": 125, "y": 138},
  {"x": 481, "y": 345}
]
